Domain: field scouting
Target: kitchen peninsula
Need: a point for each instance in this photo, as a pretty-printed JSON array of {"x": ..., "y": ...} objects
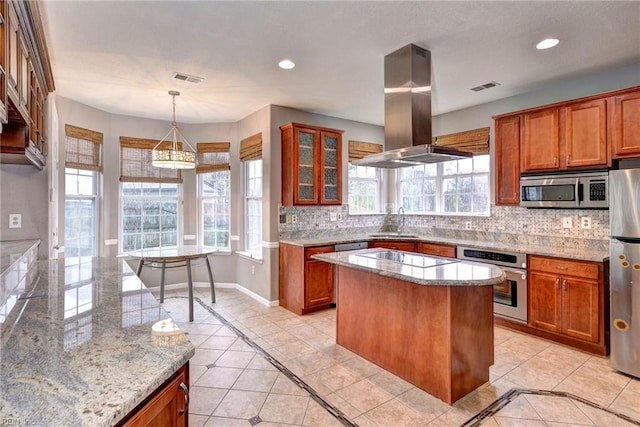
[
  {"x": 426, "y": 319},
  {"x": 85, "y": 343}
]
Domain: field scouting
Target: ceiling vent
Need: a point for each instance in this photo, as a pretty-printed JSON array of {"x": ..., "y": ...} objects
[
  {"x": 187, "y": 78},
  {"x": 485, "y": 86}
]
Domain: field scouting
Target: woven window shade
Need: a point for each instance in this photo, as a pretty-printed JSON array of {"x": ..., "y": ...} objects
[
  {"x": 475, "y": 141},
  {"x": 135, "y": 161},
  {"x": 251, "y": 148},
  {"x": 82, "y": 148},
  {"x": 213, "y": 156},
  {"x": 359, "y": 149}
]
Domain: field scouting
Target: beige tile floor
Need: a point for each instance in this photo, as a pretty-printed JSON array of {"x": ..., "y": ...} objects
[{"x": 231, "y": 382}]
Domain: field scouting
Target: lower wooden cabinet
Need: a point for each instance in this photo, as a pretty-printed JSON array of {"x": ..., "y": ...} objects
[
  {"x": 166, "y": 407},
  {"x": 436, "y": 249},
  {"x": 399, "y": 245},
  {"x": 306, "y": 284},
  {"x": 568, "y": 298}
]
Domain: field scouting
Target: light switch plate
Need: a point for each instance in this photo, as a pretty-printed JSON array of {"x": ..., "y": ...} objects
[
  {"x": 566, "y": 222},
  {"x": 15, "y": 220}
]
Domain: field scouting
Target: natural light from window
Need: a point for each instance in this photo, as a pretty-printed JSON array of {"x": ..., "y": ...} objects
[
  {"x": 364, "y": 189},
  {"x": 215, "y": 212}
]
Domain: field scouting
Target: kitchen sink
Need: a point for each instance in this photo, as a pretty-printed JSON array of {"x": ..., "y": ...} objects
[{"x": 394, "y": 235}]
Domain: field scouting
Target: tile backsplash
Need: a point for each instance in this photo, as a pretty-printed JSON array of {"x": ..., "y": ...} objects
[{"x": 503, "y": 219}]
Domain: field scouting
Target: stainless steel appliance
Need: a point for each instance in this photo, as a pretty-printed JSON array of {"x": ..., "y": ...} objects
[
  {"x": 624, "y": 195},
  {"x": 510, "y": 297},
  {"x": 583, "y": 190}
]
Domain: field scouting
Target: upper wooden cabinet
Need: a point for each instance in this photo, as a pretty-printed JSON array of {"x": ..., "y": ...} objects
[
  {"x": 507, "y": 165},
  {"x": 626, "y": 125},
  {"x": 311, "y": 165},
  {"x": 25, "y": 82},
  {"x": 572, "y": 136}
]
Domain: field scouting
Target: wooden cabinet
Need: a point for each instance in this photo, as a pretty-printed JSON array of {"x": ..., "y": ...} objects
[
  {"x": 437, "y": 249},
  {"x": 26, "y": 81},
  {"x": 626, "y": 125},
  {"x": 567, "y": 297},
  {"x": 507, "y": 164},
  {"x": 306, "y": 284},
  {"x": 540, "y": 140},
  {"x": 399, "y": 245},
  {"x": 167, "y": 406},
  {"x": 311, "y": 165},
  {"x": 585, "y": 135}
]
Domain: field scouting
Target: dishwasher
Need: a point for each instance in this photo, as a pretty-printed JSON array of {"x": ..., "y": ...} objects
[{"x": 342, "y": 247}]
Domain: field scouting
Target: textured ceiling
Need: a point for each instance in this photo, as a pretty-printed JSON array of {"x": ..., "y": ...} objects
[{"x": 119, "y": 56}]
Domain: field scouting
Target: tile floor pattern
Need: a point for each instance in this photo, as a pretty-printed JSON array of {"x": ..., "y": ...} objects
[{"x": 232, "y": 384}]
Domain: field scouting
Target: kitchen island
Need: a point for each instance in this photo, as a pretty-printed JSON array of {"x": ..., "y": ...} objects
[
  {"x": 427, "y": 319},
  {"x": 77, "y": 348}
]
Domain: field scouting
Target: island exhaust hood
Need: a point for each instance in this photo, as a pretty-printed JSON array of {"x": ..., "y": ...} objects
[{"x": 407, "y": 113}]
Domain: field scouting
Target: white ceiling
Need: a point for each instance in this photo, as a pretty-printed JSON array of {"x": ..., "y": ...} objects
[{"x": 119, "y": 56}]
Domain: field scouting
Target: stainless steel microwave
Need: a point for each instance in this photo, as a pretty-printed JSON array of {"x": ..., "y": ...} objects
[{"x": 581, "y": 191}]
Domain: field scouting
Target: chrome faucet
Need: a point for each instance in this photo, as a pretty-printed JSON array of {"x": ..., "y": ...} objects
[{"x": 400, "y": 220}]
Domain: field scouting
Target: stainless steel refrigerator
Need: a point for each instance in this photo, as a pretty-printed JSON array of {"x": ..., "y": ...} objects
[{"x": 624, "y": 214}]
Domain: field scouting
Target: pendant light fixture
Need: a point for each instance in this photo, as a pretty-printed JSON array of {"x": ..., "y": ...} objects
[{"x": 175, "y": 157}]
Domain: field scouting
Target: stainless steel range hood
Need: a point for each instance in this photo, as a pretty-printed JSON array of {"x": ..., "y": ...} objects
[{"x": 407, "y": 113}]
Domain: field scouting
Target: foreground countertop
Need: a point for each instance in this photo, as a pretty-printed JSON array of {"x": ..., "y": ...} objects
[
  {"x": 77, "y": 348},
  {"x": 417, "y": 268}
]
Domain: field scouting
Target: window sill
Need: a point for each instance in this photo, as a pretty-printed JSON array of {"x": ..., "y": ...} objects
[
  {"x": 223, "y": 252},
  {"x": 249, "y": 256}
]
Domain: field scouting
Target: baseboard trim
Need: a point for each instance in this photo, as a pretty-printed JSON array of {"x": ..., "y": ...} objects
[{"x": 237, "y": 286}]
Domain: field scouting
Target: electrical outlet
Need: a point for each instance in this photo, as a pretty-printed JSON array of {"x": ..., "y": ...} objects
[
  {"x": 585, "y": 222},
  {"x": 566, "y": 222},
  {"x": 467, "y": 225},
  {"x": 15, "y": 220},
  {"x": 333, "y": 216},
  {"x": 294, "y": 218},
  {"x": 339, "y": 216}
]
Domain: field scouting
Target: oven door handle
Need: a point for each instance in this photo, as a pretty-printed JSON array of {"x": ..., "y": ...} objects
[{"x": 514, "y": 271}]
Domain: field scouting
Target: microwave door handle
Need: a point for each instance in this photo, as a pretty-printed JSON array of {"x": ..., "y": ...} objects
[{"x": 578, "y": 192}]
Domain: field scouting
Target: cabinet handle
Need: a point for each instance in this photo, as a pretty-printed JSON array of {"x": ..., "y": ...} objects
[
  {"x": 564, "y": 284},
  {"x": 555, "y": 161},
  {"x": 568, "y": 158},
  {"x": 562, "y": 267},
  {"x": 185, "y": 389},
  {"x": 558, "y": 283}
]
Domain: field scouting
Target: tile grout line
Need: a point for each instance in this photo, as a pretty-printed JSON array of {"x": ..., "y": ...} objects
[{"x": 334, "y": 411}]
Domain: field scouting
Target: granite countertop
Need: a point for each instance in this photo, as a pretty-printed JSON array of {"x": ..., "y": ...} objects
[
  {"x": 417, "y": 268},
  {"x": 77, "y": 347},
  {"x": 12, "y": 250},
  {"x": 500, "y": 242}
]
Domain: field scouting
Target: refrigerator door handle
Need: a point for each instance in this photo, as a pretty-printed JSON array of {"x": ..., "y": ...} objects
[{"x": 632, "y": 240}]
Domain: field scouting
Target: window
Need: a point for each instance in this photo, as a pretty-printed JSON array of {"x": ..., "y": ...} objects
[
  {"x": 82, "y": 171},
  {"x": 364, "y": 189},
  {"x": 215, "y": 195},
  {"x": 454, "y": 187},
  {"x": 149, "y": 215},
  {"x": 80, "y": 212},
  {"x": 253, "y": 207}
]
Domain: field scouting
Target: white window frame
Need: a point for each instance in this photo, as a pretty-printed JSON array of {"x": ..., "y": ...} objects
[
  {"x": 203, "y": 197},
  {"x": 255, "y": 250},
  {"x": 94, "y": 197},
  {"x": 179, "y": 215},
  {"x": 377, "y": 180},
  {"x": 439, "y": 178}
]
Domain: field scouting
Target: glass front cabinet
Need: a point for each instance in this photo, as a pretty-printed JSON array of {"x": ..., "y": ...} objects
[{"x": 311, "y": 165}]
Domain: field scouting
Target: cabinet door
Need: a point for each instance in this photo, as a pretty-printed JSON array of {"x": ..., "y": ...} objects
[
  {"x": 435, "y": 249},
  {"x": 330, "y": 170},
  {"x": 585, "y": 134},
  {"x": 394, "y": 244},
  {"x": 507, "y": 165},
  {"x": 3, "y": 62},
  {"x": 13, "y": 42},
  {"x": 544, "y": 301},
  {"x": 319, "y": 283},
  {"x": 626, "y": 126},
  {"x": 580, "y": 307},
  {"x": 540, "y": 143},
  {"x": 305, "y": 166}
]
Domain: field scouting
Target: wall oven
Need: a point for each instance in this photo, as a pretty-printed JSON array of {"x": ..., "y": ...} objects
[
  {"x": 510, "y": 297},
  {"x": 583, "y": 191}
]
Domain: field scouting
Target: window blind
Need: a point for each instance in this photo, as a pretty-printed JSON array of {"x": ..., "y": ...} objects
[
  {"x": 475, "y": 141},
  {"x": 135, "y": 161},
  {"x": 82, "y": 148},
  {"x": 251, "y": 148},
  {"x": 212, "y": 156},
  {"x": 359, "y": 149}
]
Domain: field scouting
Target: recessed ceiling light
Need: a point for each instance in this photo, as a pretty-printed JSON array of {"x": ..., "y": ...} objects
[
  {"x": 547, "y": 43},
  {"x": 286, "y": 64}
]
